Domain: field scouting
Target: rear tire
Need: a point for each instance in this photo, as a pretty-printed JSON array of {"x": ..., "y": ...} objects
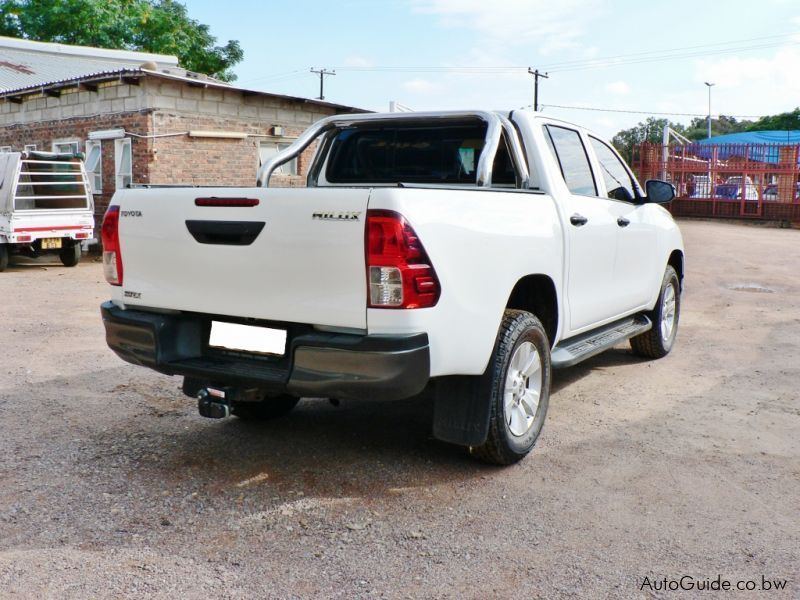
[
  {"x": 3, "y": 257},
  {"x": 518, "y": 380},
  {"x": 269, "y": 408},
  {"x": 658, "y": 341},
  {"x": 70, "y": 255}
]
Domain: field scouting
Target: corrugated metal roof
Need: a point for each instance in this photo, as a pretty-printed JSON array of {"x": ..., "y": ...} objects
[
  {"x": 26, "y": 67},
  {"x": 755, "y": 137},
  {"x": 26, "y": 64},
  {"x": 761, "y": 146}
]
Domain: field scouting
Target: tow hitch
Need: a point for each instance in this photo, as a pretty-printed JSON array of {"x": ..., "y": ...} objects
[{"x": 213, "y": 404}]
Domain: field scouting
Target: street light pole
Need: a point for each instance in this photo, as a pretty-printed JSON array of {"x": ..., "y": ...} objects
[{"x": 709, "y": 107}]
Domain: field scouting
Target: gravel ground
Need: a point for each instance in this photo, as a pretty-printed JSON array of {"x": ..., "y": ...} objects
[{"x": 111, "y": 485}]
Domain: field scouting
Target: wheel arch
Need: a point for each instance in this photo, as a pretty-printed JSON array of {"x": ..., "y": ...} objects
[
  {"x": 676, "y": 262},
  {"x": 537, "y": 294}
]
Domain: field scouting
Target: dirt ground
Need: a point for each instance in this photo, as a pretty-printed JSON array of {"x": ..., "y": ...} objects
[{"x": 112, "y": 486}]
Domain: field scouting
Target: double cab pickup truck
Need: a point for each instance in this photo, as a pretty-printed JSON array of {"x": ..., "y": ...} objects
[{"x": 460, "y": 254}]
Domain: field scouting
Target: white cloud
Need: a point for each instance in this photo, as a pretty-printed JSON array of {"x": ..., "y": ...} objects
[
  {"x": 618, "y": 87},
  {"x": 551, "y": 25},
  {"x": 752, "y": 86}
]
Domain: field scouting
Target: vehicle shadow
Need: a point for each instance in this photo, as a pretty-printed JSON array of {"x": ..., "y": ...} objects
[
  {"x": 148, "y": 436},
  {"x": 358, "y": 449},
  {"x": 615, "y": 357},
  {"x": 24, "y": 263}
]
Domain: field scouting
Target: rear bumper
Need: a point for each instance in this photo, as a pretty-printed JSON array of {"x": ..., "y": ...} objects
[{"x": 315, "y": 364}]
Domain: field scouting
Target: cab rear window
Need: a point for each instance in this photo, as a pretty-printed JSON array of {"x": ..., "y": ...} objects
[{"x": 410, "y": 154}]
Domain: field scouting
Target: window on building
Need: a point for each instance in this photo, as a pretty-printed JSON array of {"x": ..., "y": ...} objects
[
  {"x": 94, "y": 165},
  {"x": 5, "y": 149},
  {"x": 123, "y": 163},
  {"x": 568, "y": 148},
  {"x": 269, "y": 149},
  {"x": 30, "y": 147},
  {"x": 66, "y": 146}
]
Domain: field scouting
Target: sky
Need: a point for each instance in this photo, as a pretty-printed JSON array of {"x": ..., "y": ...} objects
[{"x": 648, "y": 56}]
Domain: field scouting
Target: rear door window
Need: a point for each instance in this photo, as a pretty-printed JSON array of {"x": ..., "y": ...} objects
[{"x": 571, "y": 156}]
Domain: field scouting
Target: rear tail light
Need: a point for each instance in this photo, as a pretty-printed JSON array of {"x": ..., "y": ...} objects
[
  {"x": 112, "y": 257},
  {"x": 23, "y": 238},
  {"x": 399, "y": 272}
]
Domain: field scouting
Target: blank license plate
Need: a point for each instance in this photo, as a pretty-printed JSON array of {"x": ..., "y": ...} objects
[
  {"x": 51, "y": 243},
  {"x": 233, "y": 336}
]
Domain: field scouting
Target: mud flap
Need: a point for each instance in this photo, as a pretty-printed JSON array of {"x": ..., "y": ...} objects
[{"x": 461, "y": 410}]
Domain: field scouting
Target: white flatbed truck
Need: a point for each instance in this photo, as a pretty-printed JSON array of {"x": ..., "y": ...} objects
[{"x": 46, "y": 206}]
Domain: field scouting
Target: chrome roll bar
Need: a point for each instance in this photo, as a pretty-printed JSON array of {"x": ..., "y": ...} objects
[{"x": 497, "y": 124}]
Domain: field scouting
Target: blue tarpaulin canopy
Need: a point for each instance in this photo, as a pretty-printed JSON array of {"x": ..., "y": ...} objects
[{"x": 761, "y": 145}]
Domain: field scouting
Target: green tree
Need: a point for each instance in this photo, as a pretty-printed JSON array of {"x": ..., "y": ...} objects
[
  {"x": 650, "y": 130},
  {"x": 698, "y": 127},
  {"x": 160, "y": 26},
  {"x": 783, "y": 121}
]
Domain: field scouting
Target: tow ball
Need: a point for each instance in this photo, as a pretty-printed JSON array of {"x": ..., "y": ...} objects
[{"x": 213, "y": 404}]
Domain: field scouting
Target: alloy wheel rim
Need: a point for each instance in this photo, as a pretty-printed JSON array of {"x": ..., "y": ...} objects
[
  {"x": 668, "y": 312},
  {"x": 523, "y": 389}
]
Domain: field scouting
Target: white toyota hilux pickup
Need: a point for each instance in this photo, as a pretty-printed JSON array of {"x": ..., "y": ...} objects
[{"x": 461, "y": 253}]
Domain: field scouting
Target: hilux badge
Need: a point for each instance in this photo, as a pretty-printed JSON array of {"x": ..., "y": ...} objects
[{"x": 347, "y": 215}]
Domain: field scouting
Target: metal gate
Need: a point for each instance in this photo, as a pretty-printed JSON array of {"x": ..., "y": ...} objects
[{"x": 753, "y": 181}]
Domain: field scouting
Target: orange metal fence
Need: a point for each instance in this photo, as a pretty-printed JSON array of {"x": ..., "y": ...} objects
[{"x": 757, "y": 181}]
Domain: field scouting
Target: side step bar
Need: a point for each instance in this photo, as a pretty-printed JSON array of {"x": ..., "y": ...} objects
[{"x": 574, "y": 350}]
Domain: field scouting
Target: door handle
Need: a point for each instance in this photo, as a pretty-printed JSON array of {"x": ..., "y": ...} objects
[
  {"x": 578, "y": 220},
  {"x": 623, "y": 222},
  {"x": 227, "y": 233}
]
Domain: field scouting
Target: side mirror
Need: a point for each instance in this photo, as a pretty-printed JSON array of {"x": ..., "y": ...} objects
[
  {"x": 621, "y": 193},
  {"x": 659, "y": 192}
]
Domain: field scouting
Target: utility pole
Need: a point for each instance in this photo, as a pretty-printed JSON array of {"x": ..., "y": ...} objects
[
  {"x": 322, "y": 73},
  {"x": 710, "y": 85},
  {"x": 536, "y": 76}
]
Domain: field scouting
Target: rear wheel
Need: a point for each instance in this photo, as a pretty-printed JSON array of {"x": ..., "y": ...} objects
[
  {"x": 658, "y": 341},
  {"x": 70, "y": 255},
  {"x": 518, "y": 379},
  {"x": 269, "y": 408},
  {"x": 3, "y": 257}
]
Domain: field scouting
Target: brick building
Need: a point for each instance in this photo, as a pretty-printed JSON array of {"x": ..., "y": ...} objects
[{"x": 141, "y": 119}]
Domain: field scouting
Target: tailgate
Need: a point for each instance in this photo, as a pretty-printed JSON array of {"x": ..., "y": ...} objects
[
  {"x": 52, "y": 223},
  {"x": 305, "y": 265}
]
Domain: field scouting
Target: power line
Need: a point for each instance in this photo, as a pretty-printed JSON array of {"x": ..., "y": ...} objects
[
  {"x": 593, "y": 63},
  {"x": 667, "y": 57},
  {"x": 685, "y": 48},
  {"x": 568, "y": 65},
  {"x": 644, "y": 112}
]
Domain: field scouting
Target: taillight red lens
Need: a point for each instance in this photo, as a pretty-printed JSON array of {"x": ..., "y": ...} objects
[
  {"x": 399, "y": 272},
  {"x": 112, "y": 257}
]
